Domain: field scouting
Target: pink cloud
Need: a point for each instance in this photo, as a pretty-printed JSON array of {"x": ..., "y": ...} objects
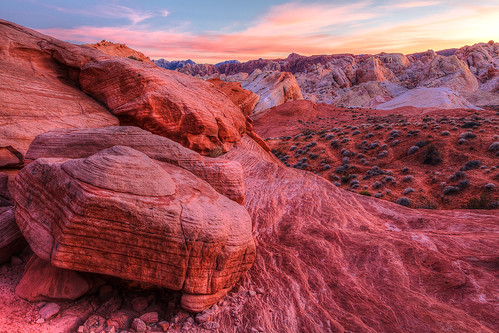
[{"x": 282, "y": 31}]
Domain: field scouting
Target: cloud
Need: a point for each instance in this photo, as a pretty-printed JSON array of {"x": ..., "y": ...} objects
[
  {"x": 306, "y": 29},
  {"x": 109, "y": 11},
  {"x": 165, "y": 13},
  {"x": 414, "y": 4}
]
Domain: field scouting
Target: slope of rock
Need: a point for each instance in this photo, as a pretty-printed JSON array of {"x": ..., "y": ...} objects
[
  {"x": 119, "y": 50},
  {"x": 332, "y": 261},
  {"x": 120, "y": 213},
  {"x": 442, "y": 98},
  {"x": 37, "y": 93},
  {"x": 245, "y": 100},
  {"x": 274, "y": 88},
  {"x": 201, "y": 117},
  {"x": 225, "y": 177}
]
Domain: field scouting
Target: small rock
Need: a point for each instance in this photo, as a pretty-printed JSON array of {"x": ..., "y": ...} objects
[
  {"x": 139, "y": 325},
  {"x": 139, "y": 303},
  {"x": 150, "y": 317},
  {"x": 49, "y": 310},
  {"x": 202, "y": 317},
  {"x": 16, "y": 261},
  {"x": 210, "y": 325},
  {"x": 39, "y": 305},
  {"x": 81, "y": 329},
  {"x": 40, "y": 321},
  {"x": 252, "y": 293},
  {"x": 164, "y": 325},
  {"x": 94, "y": 323}
]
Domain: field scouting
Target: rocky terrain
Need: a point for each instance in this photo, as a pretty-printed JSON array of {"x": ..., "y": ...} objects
[
  {"x": 181, "y": 219},
  {"x": 119, "y": 50},
  {"x": 469, "y": 74}
]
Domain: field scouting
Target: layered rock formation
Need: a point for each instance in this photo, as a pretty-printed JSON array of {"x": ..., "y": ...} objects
[
  {"x": 37, "y": 92},
  {"x": 245, "y": 100},
  {"x": 120, "y": 213},
  {"x": 119, "y": 50},
  {"x": 470, "y": 71},
  {"x": 123, "y": 202},
  {"x": 273, "y": 87}
]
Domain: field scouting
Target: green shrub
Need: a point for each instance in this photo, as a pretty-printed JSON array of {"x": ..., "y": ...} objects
[
  {"x": 365, "y": 192},
  {"x": 483, "y": 201}
]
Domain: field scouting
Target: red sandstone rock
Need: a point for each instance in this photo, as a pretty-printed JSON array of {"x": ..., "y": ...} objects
[
  {"x": 244, "y": 99},
  {"x": 37, "y": 92},
  {"x": 42, "y": 281},
  {"x": 200, "y": 117},
  {"x": 11, "y": 239},
  {"x": 224, "y": 176},
  {"x": 120, "y": 213},
  {"x": 119, "y": 50},
  {"x": 330, "y": 260}
]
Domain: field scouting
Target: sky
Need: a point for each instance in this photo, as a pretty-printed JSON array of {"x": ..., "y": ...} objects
[{"x": 213, "y": 31}]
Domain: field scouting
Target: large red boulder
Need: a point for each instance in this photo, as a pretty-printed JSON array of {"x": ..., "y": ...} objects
[
  {"x": 120, "y": 213},
  {"x": 168, "y": 103}
]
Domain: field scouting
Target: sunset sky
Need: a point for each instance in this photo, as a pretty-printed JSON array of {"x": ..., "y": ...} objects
[{"x": 213, "y": 31}]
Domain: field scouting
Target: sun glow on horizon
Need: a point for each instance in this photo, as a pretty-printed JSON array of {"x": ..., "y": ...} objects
[{"x": 304, "y": 28}]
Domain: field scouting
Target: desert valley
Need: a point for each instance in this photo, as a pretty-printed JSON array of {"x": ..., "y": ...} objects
[{"x": 328, "y": 193}]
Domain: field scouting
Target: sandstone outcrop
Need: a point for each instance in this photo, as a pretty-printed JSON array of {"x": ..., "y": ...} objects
[
  {"x": 245, "y": 100},
  {"x": 11, "y": 239},
  {"x": 346, "y": 262},
  {"x": 37, "y": 92},
  {"x": 42, "y": 281},
  {"x": 201, "y": 117},
  {"x": 224, "y": 176},
  {"x": 273, "y": 87},
  {"x": 119, "y": 50},
  {"x": 120, "y": 213}
]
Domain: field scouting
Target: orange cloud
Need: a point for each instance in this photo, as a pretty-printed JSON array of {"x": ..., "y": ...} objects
[{"x": 305, "y": 29}]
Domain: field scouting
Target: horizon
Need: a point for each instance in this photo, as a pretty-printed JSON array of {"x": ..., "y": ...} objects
[{"x": 195, "y": 30}]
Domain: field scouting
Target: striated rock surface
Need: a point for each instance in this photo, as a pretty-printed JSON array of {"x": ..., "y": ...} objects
[
  {"x": 120, "y": 213},
  {"x": 42, "y": 281},
  {"x": 273, "y": 87},
  {"x": 200, "y": 117},
  {"x": 442, "y": 98},
  {"x": 37, "y": 92},
  {"x": 119, "y": 50},
  {"x": 332, "y": 261},
  {"x": 226, "y": 177},
  {"x": 245, "y": 100},
  {"x": 11, "y": 239}
]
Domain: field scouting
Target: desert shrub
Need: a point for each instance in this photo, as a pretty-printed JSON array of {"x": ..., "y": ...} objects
[
  {"x": 483, "y": 201},
  {"x": 463, "y": 184},
  {"x": 329, "y": 136},
  {"x": 470, "y": 124},
  {"x": 326, "y": 167},
  {"x": 407, "y": 178},
  {"x": 467, "y": 135},
  {"x": 215, "y": 152},
  {"x": 135, "y": 58},
  {"x": 369, "y": 135},
  {"x": 378, "y": 195},
  {"x": 494, "y": 146},
  {"x": 448, "y": 190},
  {"x": 338, "y": 184},
  {"x": 394, "y": 143},
  {"x": 445, "y": 133},
  {"x": 427, "y": 204},
  {"x": 388, "y": 179},
  {"x": 489, "y": 186},
  {"x": 408, "y": 190},
  {"x": 458, "y": 175},
  {"x": 404, "y": 201},
  {"x": 383, "y": 154},
  {"x": 432, "y": 156},
  {"x": 376, "y": 185},
  {"x": 470, "y": 165},
  {"x": 355, "y": 132},
  {"x": 412, "y": 150},
  {"x": 365, "y": 192},
  {"x": 334, "y": 144},
  {"x": 292, "y": 148},
  {"x": 461, "y": 141},
  {"x": 405, "y": 169}
]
